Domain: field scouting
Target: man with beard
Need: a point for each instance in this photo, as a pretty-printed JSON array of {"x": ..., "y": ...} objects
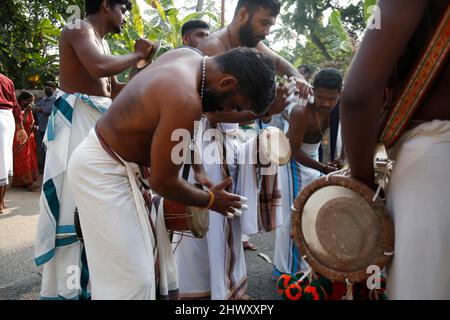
[
  {"x": 43, "y": 110},
  {"x": 138, "y": 130},
  {"x": 88, "y": 82},
  {"x": 251, "y": 24}
]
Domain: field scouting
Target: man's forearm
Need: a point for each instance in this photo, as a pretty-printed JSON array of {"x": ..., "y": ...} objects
[
  {"x": 287, "y": 69},
  {"x": 182, "y": 192},
  {"x": 359, "y": 128},
  {"x": 114, "y": 65},
  {"x": 307, "y": 161}
]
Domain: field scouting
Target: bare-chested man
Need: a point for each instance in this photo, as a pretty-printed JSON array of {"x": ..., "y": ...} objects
[
  {"x": 418, "y": 195},
  {"x": 88, "y": 82},
  {"x": 307, "y": 127},
  {"x": 251, "y": 24},
  {"x": 169, "y": 95}
]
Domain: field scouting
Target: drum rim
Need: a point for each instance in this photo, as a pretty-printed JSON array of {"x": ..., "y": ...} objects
[{"x": 383, "y": 217}]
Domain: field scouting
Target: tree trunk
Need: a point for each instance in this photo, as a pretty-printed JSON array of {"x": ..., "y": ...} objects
[
  {"x": 200, "y": 4},
  {"x": 316, "y": 40},
  {"x": 222, "y": 15}
]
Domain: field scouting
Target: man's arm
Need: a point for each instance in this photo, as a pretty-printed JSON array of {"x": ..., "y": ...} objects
[
  {"x": 298, "y": 123},
  {"x": 116, "y": 87},
  {"x": 164, "y": 178},
  {"x": 284, "y": 67},
  {"x": 370, "y": 70},
  {"x": 97, "y": 63}
]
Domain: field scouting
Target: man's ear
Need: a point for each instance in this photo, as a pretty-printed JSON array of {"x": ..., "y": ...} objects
[
  {"x": 228, "y": 82},
  {"x": 186, "y": 40},
  {"x": 243, "y": 15},
  {"x": 105, "y": 6}
]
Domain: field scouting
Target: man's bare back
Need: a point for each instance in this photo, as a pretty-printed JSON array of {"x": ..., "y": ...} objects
[{"x": 135, "y": 115}]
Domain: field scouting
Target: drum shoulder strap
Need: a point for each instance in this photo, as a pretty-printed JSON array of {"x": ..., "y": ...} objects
[{"x": 419, "y": 82}]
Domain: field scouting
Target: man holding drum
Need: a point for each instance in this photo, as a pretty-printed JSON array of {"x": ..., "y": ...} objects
[
  {"x": 170, "y": 95},
  {"x": 225, "y": 275},
  {"x": 307, "y": 126},
  {"x": 407, "y": 58},
  {"x": 88, "y": 82}
]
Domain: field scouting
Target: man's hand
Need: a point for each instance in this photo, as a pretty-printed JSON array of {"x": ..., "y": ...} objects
[
  {"x": 329, "y": 168},
  {"x": 226, "y": 203},
  {"x": 280, "y": 102},
  {"x": 338, "y": 163},
  {"x": 22, "y": 136},
  {"x": 143, "y": 47},
  {"x": 304, "y": 90}
]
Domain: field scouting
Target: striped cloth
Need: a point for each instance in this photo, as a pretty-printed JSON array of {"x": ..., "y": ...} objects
[{"x": 57, "y": 247}]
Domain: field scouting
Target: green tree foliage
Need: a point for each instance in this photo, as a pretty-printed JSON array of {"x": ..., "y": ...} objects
[
  {"x": 29, "y": 31},
  {"x": 161, "y": 24},
  {"x": 315, "y": 43}
]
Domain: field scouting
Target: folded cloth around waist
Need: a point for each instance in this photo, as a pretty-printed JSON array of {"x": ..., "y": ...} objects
[
  {"x": 73, "y": 116},
  {"x": 152, "y": 223}
]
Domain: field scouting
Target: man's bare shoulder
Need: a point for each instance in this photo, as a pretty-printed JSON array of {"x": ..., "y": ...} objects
[
  {"x": 301, "y": 112},
  {"x": 300, "y": 116},
  {"x": 213, "y": 45},
  {"x": 78, "y": 28}
]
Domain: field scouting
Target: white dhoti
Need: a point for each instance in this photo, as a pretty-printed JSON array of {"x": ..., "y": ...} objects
[
  {"x": 126, "y": 250},
  {"x": 213, "y": 267},
  {"x": 294, "y": 177},
  {"x": 310, "y": 174},
  {"x": 7, "y": 130},
  {"x": 419, "y": 201},
  {"x": 261, "y": 186},
  {"x": 57, "y": 247}
]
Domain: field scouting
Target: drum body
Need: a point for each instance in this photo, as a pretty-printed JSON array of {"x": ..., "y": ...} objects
[
  {"x": 182, "y": 218},
  {"x": 342, "y": 232}
]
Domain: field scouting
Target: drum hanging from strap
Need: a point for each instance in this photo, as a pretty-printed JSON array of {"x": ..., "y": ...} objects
[
  {"x": 342, "y": 227},
  {"x": 184, "y": 219}
]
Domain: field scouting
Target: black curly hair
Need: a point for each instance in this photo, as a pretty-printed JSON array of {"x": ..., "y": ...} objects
[
  {"x": 252, "y": 5},
  {"x": 328, "y": 78},
  {"x": 255, "y": 73},
  {"x": 93, "y": 6}
]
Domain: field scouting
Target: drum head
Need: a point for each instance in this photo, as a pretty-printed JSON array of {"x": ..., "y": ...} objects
[
  {"x": 145, "y": 62},
  {"x": 199, "y": 221},
  {"x": 274, "y": 146},
  {"x": 340, "y": 230}
]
